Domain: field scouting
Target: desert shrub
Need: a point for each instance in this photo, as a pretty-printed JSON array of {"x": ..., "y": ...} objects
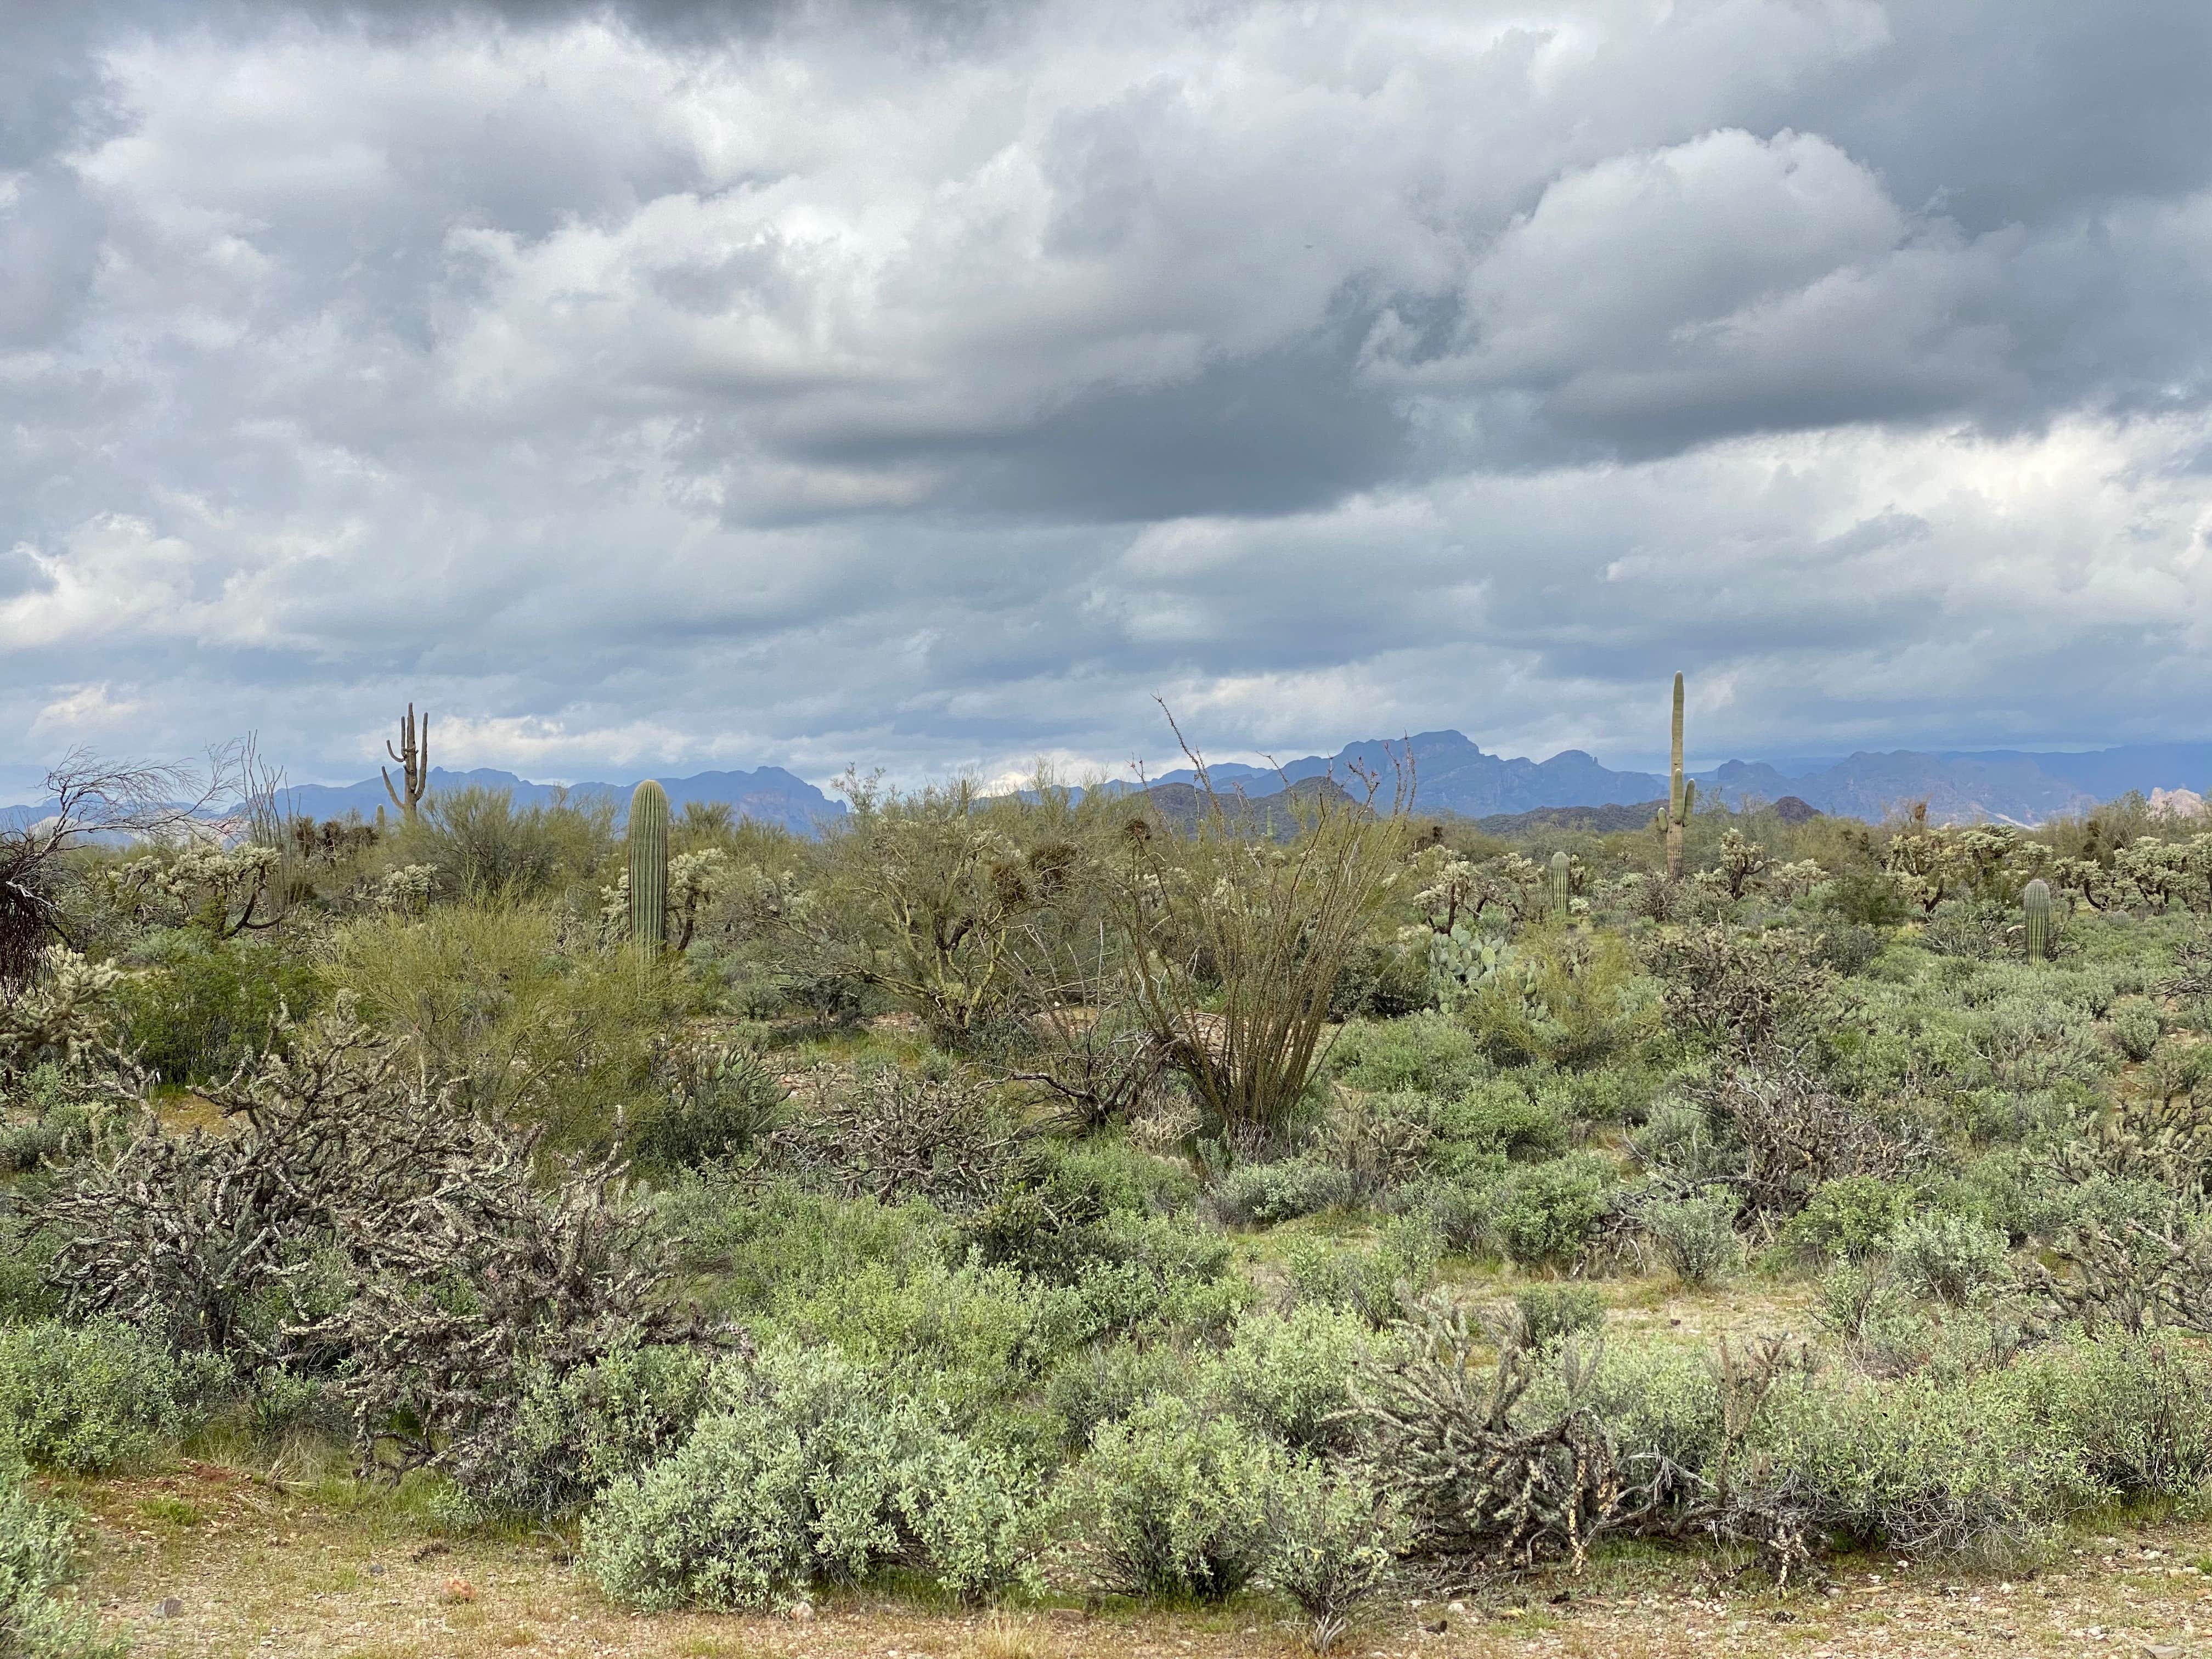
[
  {"x": 1104, "y": 1382},
  {"x": 1383, "y": 1140},
  {"x": 1373, "y": 1281},
  {"x": 1503, "y": 1116},
  {"x": 1261, "y": 1195},
  {"x": 1289, "y": 1373},
  {"x": 2134, "y": 1026},
  {"x": 48, "y": 1117},
  {"x": 1570, "y": 997},
  {"x": 1879, "y": 1324},
  {"x": 571, "y": 1433},
  {"x": 1173, "y": 1500},
  {"x": 200, "y": 1008},
  {"x": 793, "y": 1475},
  {"x": 1545, "y": 1314},
  {"x": 1428, "y": 1052},
  {"x": 1737, "y": 991},
  {"x": 1696, "y": 1236},
  {"x": 1333, "y": 1536},
  {"x": 36, "y": 1559},
  {"x": 890, "y": 1133},
  {"x": 526, "y": 1031},
  {"x": 1850, "y": 1218},
  {"x": 481, "y": 847},
  {"x": 1951, "y": 1257},
  {"x": 717, "y": 1101},
  {"x": 970, "y": 1510},
  {"x": 1977, "y": 929},
  {"x": 1381, "y": 978},
  {"x": 1460, "y": 1207},
  {"x": 1546, "y": 1213},
  {"x": 89, "y": 1399},
  {"x": 1846, "y": 947}
]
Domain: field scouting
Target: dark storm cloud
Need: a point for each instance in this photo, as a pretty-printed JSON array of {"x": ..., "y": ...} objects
[{"x": 665, "y": 382}]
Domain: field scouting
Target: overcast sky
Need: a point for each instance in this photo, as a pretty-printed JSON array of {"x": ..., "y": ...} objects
[{"x": 653, "y": 387}]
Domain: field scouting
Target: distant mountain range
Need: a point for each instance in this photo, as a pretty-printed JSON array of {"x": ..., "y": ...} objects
[
  {"x": 769, "y": 795},
  {"x": 1453, "y": 775}
]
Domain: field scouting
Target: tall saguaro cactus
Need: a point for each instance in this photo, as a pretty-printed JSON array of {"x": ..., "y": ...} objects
[
  {"x": 649, "y": 865},
  {"x": 2035, "y": 913},
  {"x": 1562, "y": 871},
  {"x": 414, "y": 758},
  {"x": 1682, "y": 794}
]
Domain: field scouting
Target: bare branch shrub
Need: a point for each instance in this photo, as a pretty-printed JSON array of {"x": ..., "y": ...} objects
[{"x": 892, "y": 1134}]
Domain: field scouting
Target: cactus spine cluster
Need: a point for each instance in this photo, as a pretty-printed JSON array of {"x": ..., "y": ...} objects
[
  {"x": 414, "y": 758},
  {"x": 2035, "y": 913},
  {"x": 648, "y": 865},
  {"x": 1561, "y": 868},
  {"x": 1682, "y": 794}
]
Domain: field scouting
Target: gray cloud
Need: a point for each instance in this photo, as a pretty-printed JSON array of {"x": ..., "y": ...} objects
[{"x": 662, "y": 383}]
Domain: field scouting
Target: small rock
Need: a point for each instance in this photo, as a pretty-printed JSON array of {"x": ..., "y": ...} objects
[
  {"x": 802, "y": 1610},
  {"x": 1455, "y": 1606},
  {"x": 376, "y": 1570},
  {"x": 171, "y": 1607}
]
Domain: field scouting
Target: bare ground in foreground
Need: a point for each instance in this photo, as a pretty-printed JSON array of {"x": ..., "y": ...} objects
[{"x": 206, "y": 1559}]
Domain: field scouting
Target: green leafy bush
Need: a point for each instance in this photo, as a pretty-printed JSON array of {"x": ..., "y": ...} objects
[
  {"x": 1949, "y": 1256},
  {"x": 1547, "y": 1313},
  {"x": 88, "y": 1399},
  {"x": 793, "y": 1474},
  {"x": 717, "y": 1101},
  {"x": 1546, "y": 1213},
  {"x": 1430, "y": 1053},
  {"x": 1173, "y": 1500},
  {"x": 1849, "y": 1218},
  {"x": 1289, "y": 1375},
  {"x": 203, "y": 1007},
  {"x": 2134, "y": 1026},
  {"x": 1333, "y": 1537},
  {"x": 1502, "y": 1116},
  {"x": 1374, "y": 1280},
  {"x": 1696, "y": 1236},
  {"x": 37, "y": 1559},
  {"x": 1261, "y": 1195}
]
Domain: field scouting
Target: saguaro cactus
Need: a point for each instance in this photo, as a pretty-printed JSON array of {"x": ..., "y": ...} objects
[
  {"x": 1682, "y": 794},
  {"x": 2035, "y": 913},
  {"x": 649, "y": 865},
  {"x": 1561, "y": 870},
  {"x": 414, "y": 758}
]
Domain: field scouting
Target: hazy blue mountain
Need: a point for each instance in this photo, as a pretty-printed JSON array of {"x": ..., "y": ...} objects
[{"x": 768, "y": 795}]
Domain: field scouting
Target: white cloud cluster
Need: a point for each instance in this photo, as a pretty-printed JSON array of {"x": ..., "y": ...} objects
[{"x": 932, "y": 386}]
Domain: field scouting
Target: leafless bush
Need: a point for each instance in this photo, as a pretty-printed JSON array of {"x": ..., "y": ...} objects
[
  {"x": 1780, "y": 1131},
  {"x": 892, "y": 1134},
  {"x": 1740, "y": 991}
]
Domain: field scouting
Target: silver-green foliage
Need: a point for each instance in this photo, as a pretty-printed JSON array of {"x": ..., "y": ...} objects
[
  {"x": 36, "y": 1558},
  {"x": 88, "y": 1399}
]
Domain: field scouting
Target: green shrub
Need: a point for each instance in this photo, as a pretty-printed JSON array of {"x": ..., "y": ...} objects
[
  {"x": 2134, "y": 1026},
  {"x": 204, "y": 1007},
  {"x": 1333, "y": 1537},
  {"x": 88, "y": 1399},
  {"x": 718, "y": 1102},
  {"x": 1849, "y": 1217},
  {"x": 1501, "y": 1116},
  {"x": 1427, "y": 1052},
  {"x": 574, "y": 1434},
  {"x": 36, "y": 1558},
  {"x": 1461, "y": 1208},
  {"x": 1546, "y": 1212},
  {"x": 1374, "y": 1281},
  {"x": 1696, "y": 1236},
  {"x": 1173, "y": 1500},
  {"x": 1550, "y": 1313},
  {"x": 1261, "y": 1195},
  {"x": 1949, "y": 1256},
  {"x": 971, "y": 1510},
  {"x": 1289, "y": 1373},
  {"x": 1881, "y": 1325},
  {"x": 1107, "y": 1380},
  {"x": 793, "y": 1474}
]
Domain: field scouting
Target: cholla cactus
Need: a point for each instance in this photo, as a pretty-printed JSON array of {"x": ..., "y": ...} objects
[
  {"x": 2035, "y": 913},
  {"x": 648, "y": 865}
]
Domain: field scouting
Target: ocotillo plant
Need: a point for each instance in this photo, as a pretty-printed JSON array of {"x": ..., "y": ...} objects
[
  {"x": 1560, "y": 871},
  {"x": 1682, "y": 795},
  {"x": 2035, "y": 913},
  {"x": 414, "y": 758},
  {"x": 649, "y": 865}
]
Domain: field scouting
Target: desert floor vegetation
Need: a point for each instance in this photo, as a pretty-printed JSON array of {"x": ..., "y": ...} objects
[{"x": 1060, "y": 1224}]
